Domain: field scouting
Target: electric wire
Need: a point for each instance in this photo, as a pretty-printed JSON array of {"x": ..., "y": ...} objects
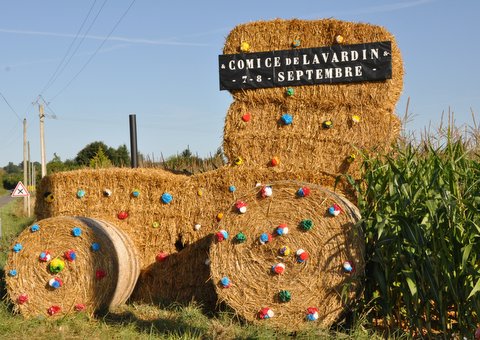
[
  {"x": 11, "y": 108},
  {"x": 63, "y": 64},
  {"x": 96, "y": 51}
]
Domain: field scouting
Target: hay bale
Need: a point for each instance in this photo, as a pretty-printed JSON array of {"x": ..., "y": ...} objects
[
  {"x": 182, "y": 277},
  {"x": 279, "y": 34},
  {"x": 148, "y": 222},
  {"x": 304, "y": 144},
  {"x": 65, "y": 264},
  {"x": 320, "y": 282}
]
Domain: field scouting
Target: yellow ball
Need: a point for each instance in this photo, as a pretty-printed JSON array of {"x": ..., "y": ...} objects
[{"x": 244, "y": 46}]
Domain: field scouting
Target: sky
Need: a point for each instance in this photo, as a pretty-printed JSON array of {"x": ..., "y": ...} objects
[{"x": 93, "y": 63}]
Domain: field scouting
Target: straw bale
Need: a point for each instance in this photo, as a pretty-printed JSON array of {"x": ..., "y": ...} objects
[
  {"x": 305, "y": 144},
  {"x": 182, "y": 277},
  {"x": 82, "y": 281},
  {"x": 151, "y": 224},
  {"x": 319, "y": 282},
  {"x": 279, "y": 34}
]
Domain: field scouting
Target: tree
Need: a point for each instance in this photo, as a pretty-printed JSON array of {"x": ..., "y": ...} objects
[
  {"x": 100, "y": 160},
  {"x": 88, "y": 152},
  {"x": 12, "y": 168}
]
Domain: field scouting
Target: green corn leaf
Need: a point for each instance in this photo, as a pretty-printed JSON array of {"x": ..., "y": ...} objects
[{"x": 474, "y": 290}]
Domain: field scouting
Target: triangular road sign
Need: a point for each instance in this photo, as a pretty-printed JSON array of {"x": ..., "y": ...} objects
[{"x": 20, "y": 191}]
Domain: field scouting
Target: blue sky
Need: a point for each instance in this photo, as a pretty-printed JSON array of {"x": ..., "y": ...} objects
[{"x": 160, "y": 62}]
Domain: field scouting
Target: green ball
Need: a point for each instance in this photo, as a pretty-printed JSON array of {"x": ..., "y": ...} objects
[
  {"x": 240, "y": 237},
  {"x": 284, "y": 295},
  {"x": 306, "y": 225}
]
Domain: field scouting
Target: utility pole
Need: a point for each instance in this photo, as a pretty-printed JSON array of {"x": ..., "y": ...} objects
[
  {"x": 29, "y": 181},
  {"x": 25, "y": 166},
  {"x": 42, "y": 140}
]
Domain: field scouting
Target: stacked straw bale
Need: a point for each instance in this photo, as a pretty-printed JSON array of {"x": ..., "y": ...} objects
[
  {"x": 319, "y": 282},
  {"x": 305, "y": 144},
  {"x": 101, "y": 273}
]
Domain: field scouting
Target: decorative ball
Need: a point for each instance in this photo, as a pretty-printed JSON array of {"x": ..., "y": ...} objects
[
  {"x": 199, "y": 192},
  {"x": 12, "y": 273},
  {"x": 161, "y": 256},
  {"x": 306, "y": 225},
  {"x": 34, "y": 228},
  {"x": 155, "y": 224},
  {"x": 52, "y": 310},
  {"x": 81, "y": 193},
  {"x": 135, "y": 193},
  {"x": 347, "y": 267},
  {"x": 107, "y": 192},
  {"x": 244, "y": 46},
  {"x": 289, "y": 91},
  {"x": 197, "y": 226},
  {"x": 282, "y": 229},
  {"x": 95, "y": 246},
  {"x": 221, "y": 235},
  {"x": 167, "y": 198},
  {"x": 241, "y": 207},
  {"x": 240, "y": 237},
  {"x": 335, "y": 210},
  {"x": 296, "y": 43},
  {"x": 284, "y": 296},
  {"x": 284, "y": 251},
  {"x": 246, "y": 117},
  {"x": 17, "y": 247},
  {"x": 225, "y": 282},
  {"x": 23, "y": 298},
  {"x": 219, "y": 216},
  {"x": 70, "y": 255},
  {"x": 122, "y": 215},
  {"x": 48, "y": 197},
  {"x": 278, "y": 268},
  {"x": 339, "y": 39},
  {"x": 45, "y": 256},
  {"x": 301, "y": 255},
  {"x": 56, "y": 265},
  {"x": 238, "y": 161},
  {"x": 327, "y": 124},
  {"x": 79, "y": 307},
  {"x": 55, "y": 282},
  {"x": 303, "y": 192},
  {"x": 265, "y": 238},
  {"x": 266, "y": 191},
  {"x": 312, "y": 314},
  {"x": 266, "y": 313},
  {"x": 76, "y": 232},
  {"x": 232, "y": 188},
  {"x": 356, "y": 119},
  {"x": 100, "y": 274},
  {"x": 275, "y": 161},
  {"x": 287, "y": 119},
  {"x": 351, "y": 158}
]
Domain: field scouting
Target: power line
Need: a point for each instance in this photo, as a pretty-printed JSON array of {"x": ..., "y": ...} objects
[
  {"x": 11, "y": 108},
  {"x": 96, "y": 51},
  {"x": 61, "y": 67}
]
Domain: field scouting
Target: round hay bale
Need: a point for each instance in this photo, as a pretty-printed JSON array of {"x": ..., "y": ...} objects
[
  {"x": 61, "y": 265},
  {"x": 260, "y": 266}
]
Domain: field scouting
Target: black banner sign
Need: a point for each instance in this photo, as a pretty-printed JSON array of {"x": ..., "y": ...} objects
[{"x": 308, "y": 66}]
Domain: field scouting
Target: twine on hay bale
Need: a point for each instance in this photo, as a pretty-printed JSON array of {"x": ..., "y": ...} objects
[
  {"x": 69, "y": 264},
  {"x": 263, "y": 270}
]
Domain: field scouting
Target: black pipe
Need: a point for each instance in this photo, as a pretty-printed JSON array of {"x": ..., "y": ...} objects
[{"x": 133, "y": 141}]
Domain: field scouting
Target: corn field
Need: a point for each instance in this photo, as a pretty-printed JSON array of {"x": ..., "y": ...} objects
[{"x": 421, "y": 221}]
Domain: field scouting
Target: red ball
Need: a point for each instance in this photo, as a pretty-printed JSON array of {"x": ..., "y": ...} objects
[
  {"x": 161, "y": 256},
  {"x": 246, "y": 117},
  {"x": 100, "y": 274},
  {"x": 122, "y": 215}
]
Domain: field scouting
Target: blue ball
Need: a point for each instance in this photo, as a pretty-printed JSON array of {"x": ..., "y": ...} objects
[{"x": 167, "y": 198}]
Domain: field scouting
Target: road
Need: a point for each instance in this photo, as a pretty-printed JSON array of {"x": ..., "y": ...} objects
[{"x": 5, "y": 199}]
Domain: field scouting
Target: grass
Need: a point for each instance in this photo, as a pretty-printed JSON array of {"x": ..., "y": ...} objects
[{"x": 137, "y": 321}]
